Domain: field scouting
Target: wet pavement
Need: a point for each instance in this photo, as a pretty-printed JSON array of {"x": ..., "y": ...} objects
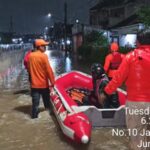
[{"x": 19, "y": 131}]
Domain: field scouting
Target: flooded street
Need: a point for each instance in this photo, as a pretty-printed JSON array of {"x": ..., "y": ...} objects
[{"x": 19, "y": 132}]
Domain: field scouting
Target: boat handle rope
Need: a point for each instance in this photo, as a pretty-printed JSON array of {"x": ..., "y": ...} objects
[{"x": 63, "y": 100}]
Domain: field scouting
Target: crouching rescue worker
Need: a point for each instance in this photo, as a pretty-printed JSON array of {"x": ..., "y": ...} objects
[
  {"x": 113, "y": 60},
  {"x": 41, "y": 73},
  {"x": 100, "y": 80}
]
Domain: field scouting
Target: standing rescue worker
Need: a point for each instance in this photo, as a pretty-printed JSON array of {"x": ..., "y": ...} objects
[
  {"x": 113, "y": 60},
  {"x": 40, "y": 72},
  {"x": 135, "y": 71}
]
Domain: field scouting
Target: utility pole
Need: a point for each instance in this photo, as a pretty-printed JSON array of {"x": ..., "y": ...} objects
[
  {"x": 65, "y": 27},
  {"x": 11, "y": 30}
]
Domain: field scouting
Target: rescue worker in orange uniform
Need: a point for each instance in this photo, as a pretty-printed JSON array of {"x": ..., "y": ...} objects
[
  {"x": 41, "y": 73},
  {"x": 113, "y": 60},
  {"x": 135, "y": 72}
]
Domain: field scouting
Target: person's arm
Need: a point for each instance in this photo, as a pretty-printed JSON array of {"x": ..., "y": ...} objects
[
  {"x": 49, "y": 71},
  {"x": 123, "y": 56},
  {"x": 26, "y": 58},
  {"x": 28, "y": 64},
  {"x": 119, "y": 77},
  {"x": 101, "y": 95}
]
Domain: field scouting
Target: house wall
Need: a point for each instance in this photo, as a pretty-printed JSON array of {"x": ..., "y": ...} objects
[
  {"x": 112, "y": 15},
  {"x": 77, "y": 42}
]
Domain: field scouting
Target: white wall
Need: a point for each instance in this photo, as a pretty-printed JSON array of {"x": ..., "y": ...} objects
[{"x": 128, "y": 40}]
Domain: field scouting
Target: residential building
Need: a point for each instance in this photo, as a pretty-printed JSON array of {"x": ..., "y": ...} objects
[{"x": 107, "y": 13}]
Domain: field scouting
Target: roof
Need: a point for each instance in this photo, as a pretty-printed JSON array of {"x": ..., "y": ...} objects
[
  {"x": 109, "y": 3},
  {"x": 128, "y": 21}
]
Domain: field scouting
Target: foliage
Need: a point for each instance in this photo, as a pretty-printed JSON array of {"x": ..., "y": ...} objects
[
  {"x": 93, "y": 54},
  {"x": 95, "y": 38},
  {"x": 125, "y": 50},
  {"x": 85, "y": 51},
  {"x": 95, "y": 48},
  {"x": 144, "y": 15},
  {"x": 97, "y": 54}
]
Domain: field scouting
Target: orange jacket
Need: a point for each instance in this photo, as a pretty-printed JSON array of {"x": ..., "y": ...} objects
[
  {"x": 134, "y": 70},
  {"x": 40, "y": 70},
  {"x": 112, "y": 62}
]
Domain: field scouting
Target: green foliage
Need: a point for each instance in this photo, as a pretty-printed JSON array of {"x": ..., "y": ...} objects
[
  {"x": 144, "y": 15},
  {"x": 97, "y": 54},
  {"x": 95, "y": 38},
  {"x": 85, "y": 51},
  {"x": 95, "y": 48},
  {"x": 125, "y": 50},
  {"x": 93, "y": 54}
]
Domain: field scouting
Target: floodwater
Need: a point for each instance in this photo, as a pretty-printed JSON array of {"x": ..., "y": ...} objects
[{"x": 19, "y": 132}]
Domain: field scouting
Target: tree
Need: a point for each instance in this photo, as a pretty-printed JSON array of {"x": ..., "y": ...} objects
[
  {"x": 95, "y": 39},
  {"x": 144, "y": 15},
  {"x": 94, "y": 48}
]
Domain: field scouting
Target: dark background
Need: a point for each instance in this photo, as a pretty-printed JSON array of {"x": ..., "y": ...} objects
[{"x": 29, "y": 16}]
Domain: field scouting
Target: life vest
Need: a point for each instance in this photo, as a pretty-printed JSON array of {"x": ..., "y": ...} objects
[
  {"x": 116, "y": 61},
  {"x": 79, "y": 95},
  {"x": 75, "y": 95}
]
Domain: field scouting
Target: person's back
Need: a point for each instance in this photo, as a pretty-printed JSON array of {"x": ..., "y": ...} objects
[
  {"x": 138, "y": 81},
  {"x": 113, "y": 60},
  {"x": 39, "y": 70},
  {"x": 116, "y": 60}
]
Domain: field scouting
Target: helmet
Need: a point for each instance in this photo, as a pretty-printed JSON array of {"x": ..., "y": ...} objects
[
  {"x": 97, "y": 70},
  {"x": 114, "y": 47},
  {"x": 40, "y": 42}
]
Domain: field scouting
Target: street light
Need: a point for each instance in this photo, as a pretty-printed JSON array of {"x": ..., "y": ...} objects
[
  {"x": 49, "y": 15},
  {"x": 46, "y": 28},
  {"x": 77, "y": 21},
  {"x": 54, "y": 17},
  {"x": 45, "y": 33}
]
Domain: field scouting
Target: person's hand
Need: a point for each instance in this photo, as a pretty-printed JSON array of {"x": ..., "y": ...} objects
[
  {"x": 101, "y": 98},
  {"x": 52, "y": 85}
]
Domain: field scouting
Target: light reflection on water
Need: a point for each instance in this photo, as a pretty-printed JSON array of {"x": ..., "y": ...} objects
[
  {"x": 59, "y": 62},
  {"x": 15, "y": 76},
  {"x": 11, "y": 67},
  {"x": 68, "y": 65}
]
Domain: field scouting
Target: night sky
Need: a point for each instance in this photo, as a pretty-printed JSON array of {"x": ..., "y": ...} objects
[{"x": 29, "y": 16}]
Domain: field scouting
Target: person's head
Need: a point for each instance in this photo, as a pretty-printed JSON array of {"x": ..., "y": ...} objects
[
  {"x": 40, "y": 44},
  {"x": 97, "y": 71},
  {"x": 114, "y": 47},
  {"x": 143, "y": 38}
]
